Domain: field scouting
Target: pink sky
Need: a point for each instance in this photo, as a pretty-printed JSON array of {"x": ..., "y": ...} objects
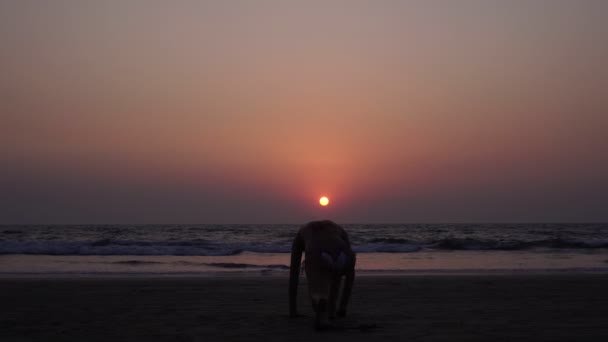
[{"x": 206, "y": 112}]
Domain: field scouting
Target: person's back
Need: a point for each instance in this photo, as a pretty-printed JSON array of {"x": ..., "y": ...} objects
[{"x": 329, "y": 256}]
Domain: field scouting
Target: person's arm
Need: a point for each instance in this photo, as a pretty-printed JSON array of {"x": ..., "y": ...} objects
[
  {"x": 349, "y": 277},
  {"x": 294, "y": 273}
]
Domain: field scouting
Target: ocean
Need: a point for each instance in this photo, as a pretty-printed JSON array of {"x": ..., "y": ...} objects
[{"x": 212, "y": 249}]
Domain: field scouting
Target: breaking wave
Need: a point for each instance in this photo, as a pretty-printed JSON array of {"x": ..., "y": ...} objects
[{"x": 201, "y": 247}]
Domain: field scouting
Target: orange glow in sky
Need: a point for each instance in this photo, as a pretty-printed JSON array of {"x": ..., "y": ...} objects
[{"x": 240, "y": 112}]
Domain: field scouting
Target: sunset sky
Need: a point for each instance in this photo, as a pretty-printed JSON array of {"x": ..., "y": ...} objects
[{"x": 250, "y": 111}]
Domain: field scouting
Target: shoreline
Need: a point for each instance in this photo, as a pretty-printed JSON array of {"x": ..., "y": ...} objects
[
  {"x": 441, "y": 262},
  {"x": 285, "y": 273}
]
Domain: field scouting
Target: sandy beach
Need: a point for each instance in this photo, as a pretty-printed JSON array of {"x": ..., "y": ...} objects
[{"x": 555, "y": 307}]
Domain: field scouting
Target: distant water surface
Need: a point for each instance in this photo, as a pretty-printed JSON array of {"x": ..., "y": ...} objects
[{"x": 263, "y": 248}]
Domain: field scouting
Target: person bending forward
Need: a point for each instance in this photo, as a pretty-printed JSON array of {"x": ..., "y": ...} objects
[{"x": 329, "y": 257}]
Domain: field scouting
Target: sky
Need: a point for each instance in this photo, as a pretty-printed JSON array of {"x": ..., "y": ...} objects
[{"x": 249, "y": 111}]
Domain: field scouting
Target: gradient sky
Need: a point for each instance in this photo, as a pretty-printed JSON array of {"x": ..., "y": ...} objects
[{"x": 249, "y": 111}]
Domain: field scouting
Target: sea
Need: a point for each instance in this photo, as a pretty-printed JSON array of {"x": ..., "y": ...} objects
[{"x": 263, "y": 249}]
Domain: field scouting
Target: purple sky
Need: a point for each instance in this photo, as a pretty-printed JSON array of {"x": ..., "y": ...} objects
[{"x": 249, "y": 111}]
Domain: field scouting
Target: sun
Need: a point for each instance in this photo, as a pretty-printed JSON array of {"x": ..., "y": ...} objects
[{"x": 324, "y": 201}]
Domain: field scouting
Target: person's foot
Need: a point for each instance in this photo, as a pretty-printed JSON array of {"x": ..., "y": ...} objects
[
  {"x": 320, "y": 322},
  {"x": 324, "y": 326}
]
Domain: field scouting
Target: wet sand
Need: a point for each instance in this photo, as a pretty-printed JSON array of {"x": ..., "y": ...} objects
[{"x": 563, "y": 307}]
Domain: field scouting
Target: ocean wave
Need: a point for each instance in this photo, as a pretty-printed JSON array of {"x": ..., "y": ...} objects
[
  {"x": 201, "y": 247},
  {"x": 389, "y": 240},
  {"x": 481, "y": 244},
  {"x": 126, "y": 247},
  {"x": 475, "y": 244},
  {"x": 377, "y": 247},
  {"x": 506, "y": 245}
]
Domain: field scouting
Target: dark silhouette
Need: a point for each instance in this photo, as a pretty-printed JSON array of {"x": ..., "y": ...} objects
[{"x": 329, "y": 257}]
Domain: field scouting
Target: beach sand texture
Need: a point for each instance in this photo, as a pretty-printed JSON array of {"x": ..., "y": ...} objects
[{"x": 562, "y": 307}]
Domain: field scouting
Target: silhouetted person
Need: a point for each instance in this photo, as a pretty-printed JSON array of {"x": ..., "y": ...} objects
[{"x": 329, "y": 257}]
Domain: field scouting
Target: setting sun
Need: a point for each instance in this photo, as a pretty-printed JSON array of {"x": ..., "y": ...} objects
[{"x": 324, "y": 201}]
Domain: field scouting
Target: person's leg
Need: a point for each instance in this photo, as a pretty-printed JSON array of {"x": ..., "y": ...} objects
[
  {"x": 316, "y": 281},
  {"x": 333, "y": 296},
  {"x": 348, "y": 287},
  {"x": 321, "y": 311}
]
